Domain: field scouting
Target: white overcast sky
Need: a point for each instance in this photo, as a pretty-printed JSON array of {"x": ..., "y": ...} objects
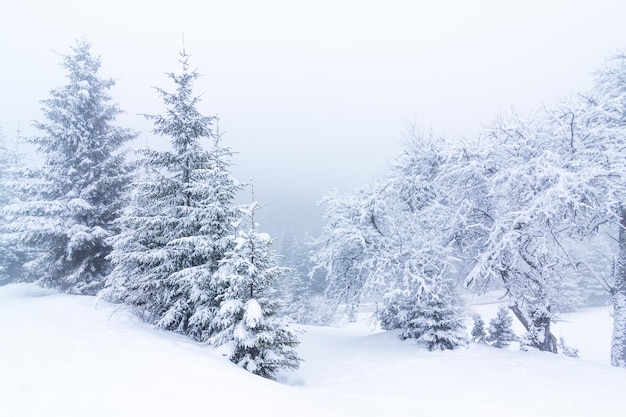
[{"x": 314, "y": 95}]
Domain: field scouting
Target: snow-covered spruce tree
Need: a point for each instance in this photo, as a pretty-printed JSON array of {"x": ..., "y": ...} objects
[
  {"x": 71, "y": 202},
  {"x": 440, "y": 319},
  {"x": 176, "y": 233},
  {"x": 246, "y": 327},
  {"x": 478, "y": 329},
  {"x": 429, "y": 311},
  {"x": 500, "y": 334},
  {"x": 11, "y": 258}
]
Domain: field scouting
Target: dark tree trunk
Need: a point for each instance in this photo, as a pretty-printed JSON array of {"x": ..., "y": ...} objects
[{"x": 538, "y": 329}]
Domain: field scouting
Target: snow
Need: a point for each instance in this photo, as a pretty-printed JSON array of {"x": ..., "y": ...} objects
[
  {"x": 68, "y": 355},
  {"x": 253, "y": 314}
]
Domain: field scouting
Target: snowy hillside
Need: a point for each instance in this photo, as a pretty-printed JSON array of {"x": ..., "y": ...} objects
[{"x": 64, "y": 355}]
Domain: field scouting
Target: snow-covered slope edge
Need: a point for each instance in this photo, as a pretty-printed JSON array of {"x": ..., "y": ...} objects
[{"x": 63, "y": 355}]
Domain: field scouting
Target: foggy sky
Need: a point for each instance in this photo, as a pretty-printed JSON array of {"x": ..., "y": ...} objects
[{"x": 313, "y": 95}]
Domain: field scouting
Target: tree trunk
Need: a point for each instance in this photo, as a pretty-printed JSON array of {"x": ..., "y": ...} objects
[
  {"x": 618, "y": 343},
  {"x": 540, "y": 336},
  {"x": 548, "y": 344}
]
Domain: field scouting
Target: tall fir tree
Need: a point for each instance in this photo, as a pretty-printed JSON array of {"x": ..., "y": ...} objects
[
  {"x": 176, "y": 232},
  {"x": 246, "y": 327},
  {"x": 70, "y": 203}
]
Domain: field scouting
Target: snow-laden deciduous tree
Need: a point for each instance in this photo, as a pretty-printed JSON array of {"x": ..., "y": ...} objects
[
  {"x": 246, "y": 327},
  {"x": 500, "y": 333},
  {"x": 350, "y": 249},
  {"x": 419, "y": 224},
  {"x": 595, "y": 125},
  {"x": 524, "y": 221},
  {"x": 369, "y": 235},
  {"x": 68, "y": 206},
  {"x": 176, "y": 232},
  {"x": 574, "y": 189},
  {"x": 394, "y": 238}
]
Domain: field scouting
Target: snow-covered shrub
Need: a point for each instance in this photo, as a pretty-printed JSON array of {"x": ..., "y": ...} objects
[{"x": 567, "y": 350}]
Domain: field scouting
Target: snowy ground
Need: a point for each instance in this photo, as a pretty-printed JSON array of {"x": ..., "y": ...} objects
[{"x": 67, "y": 356}]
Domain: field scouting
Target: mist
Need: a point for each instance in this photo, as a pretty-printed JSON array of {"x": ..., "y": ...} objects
[{"x": 314, "y": 96}]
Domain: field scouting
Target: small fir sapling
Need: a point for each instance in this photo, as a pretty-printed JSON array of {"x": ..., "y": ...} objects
[
  {"x": 500, "y": 333},
  {"x": 246, "y": 327},
  {"x": 478, "y": 331}
]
